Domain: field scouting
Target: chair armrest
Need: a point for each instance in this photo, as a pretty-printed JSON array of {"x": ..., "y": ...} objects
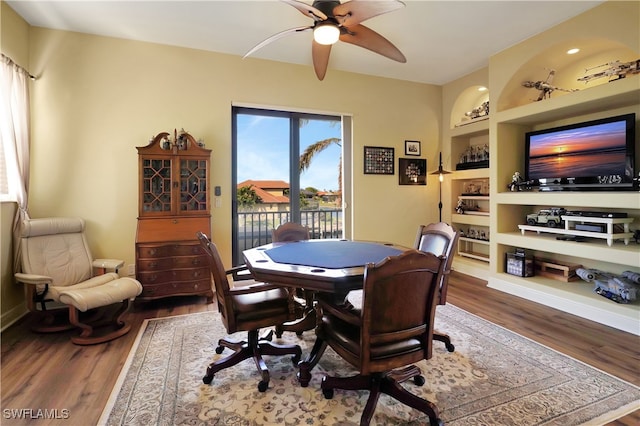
[
  {"x": 33, "y": 279},
  {"x": 236, "y": 269},
  {"x": 254, "y": 288},
  {"x": 108, "y": 264},
  {"x": 342, "y": 312}
]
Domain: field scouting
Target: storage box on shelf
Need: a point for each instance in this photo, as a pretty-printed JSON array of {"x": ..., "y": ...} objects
[{"x": 509, "y": 209}]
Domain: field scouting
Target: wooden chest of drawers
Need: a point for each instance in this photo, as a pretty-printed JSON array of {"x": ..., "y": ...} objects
[{"x": 173, "y": 269}]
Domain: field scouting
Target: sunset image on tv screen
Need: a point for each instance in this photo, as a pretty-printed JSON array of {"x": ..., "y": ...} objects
[{"x": 597, "y": 150}]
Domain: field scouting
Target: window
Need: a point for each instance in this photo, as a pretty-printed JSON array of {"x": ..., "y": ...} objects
[{"x": 14, "y": 129}]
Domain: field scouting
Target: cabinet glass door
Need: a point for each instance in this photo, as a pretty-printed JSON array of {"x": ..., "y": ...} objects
[
  {"x": 193, "y": 185},
  {"x": 156, "y": 185}
]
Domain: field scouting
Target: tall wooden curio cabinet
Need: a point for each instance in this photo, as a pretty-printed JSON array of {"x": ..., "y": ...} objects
[{"x": 173, "y": 206}]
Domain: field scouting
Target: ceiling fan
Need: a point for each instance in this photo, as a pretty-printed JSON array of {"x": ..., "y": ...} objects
[{"x": 335, "y": 21}]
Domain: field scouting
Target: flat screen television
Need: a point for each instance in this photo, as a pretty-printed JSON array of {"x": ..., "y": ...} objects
[{"x": 588, "y": 156}]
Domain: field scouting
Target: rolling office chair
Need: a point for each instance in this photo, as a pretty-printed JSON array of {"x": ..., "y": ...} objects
[
  {"x": 291, "y": 232},
  {"x": 437, "y": 238},
  {"x": 248, "y": 308},
  {"x": 440, "y": 239},
  {"x": 389, "y": 333}
]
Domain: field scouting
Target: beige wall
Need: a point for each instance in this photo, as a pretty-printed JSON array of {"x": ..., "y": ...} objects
[{"x": 97, "y": 98}]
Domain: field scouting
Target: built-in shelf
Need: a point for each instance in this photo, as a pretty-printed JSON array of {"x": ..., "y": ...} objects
[
  {"x": 611, "y": 250},
  {"x": 465, "y": 248},
  {"x": 576, "y": 297},
  {"x": 506, "y": 211}
]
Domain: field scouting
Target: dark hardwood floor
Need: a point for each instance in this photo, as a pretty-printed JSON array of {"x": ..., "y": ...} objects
[{"x": 49, "y": 372}]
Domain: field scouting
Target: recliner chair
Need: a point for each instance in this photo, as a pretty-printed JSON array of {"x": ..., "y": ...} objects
[{"x": 57, "y": 267}]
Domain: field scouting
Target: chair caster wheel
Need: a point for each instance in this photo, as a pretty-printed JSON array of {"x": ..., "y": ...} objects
[
  {"x": 328, "y": 393},
  {"x": 437, "y": 422},
  {"x": 207, "y": 379},
  {"x": 418, "y": 380},
  {"x": 219, "y": 349},
  {"x": 450, "y": 347},
  {"x": 262, "y": 386}
]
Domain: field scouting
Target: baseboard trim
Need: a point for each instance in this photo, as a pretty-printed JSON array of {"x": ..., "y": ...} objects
[{"x": 12, "y": 316}]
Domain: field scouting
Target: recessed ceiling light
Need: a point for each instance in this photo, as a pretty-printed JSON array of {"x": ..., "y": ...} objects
[
  {"x": 482, "y": 89},
  {"x": 573, "y": 51}
]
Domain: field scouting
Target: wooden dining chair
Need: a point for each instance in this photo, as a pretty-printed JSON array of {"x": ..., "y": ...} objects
[
  {"x": 389, "y": 334},
  {"x": 292, "y": 232},
  {"x": 248, "y": 308},
  {"x": 440, "y": 239}
]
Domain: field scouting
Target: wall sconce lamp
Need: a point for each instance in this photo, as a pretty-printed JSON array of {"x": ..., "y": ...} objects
[{"x": 440, "y": 172}]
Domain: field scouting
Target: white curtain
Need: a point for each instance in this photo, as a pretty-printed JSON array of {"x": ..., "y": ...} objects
[{"x": 14, "y": 137}]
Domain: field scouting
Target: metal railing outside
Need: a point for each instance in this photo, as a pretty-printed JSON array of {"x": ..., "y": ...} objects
[{"x": 254, "y": 228}]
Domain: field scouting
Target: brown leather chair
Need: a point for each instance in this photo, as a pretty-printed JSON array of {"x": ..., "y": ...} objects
[
  {"x": 441, "y": 239},
  {"x": 249, "y": 308},
  {"x": 390, "y": 332},
  {"x": 291, "y": 232}
]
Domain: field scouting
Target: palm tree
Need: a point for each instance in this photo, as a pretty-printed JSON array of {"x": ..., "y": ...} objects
[{"x": 307, "y": 156}]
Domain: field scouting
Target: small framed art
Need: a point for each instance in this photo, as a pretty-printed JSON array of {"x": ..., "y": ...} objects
[
  {"x": 378, "y": 160},
  {"x": 412, "y": 171},
  {"x": 412, "y": 148}
]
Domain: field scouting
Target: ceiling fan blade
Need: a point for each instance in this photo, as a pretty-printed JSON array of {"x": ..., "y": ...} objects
[
  {"x": 307, "y": 10},
  {"x": 275, "y": 37},
  {"x": 320, "y": 54},
  {"x": 362, "y": 36},
  {"x": 353, "y": 12}
]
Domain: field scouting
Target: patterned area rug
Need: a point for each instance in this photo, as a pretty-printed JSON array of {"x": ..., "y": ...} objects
[{"x": 494, "y": 377}]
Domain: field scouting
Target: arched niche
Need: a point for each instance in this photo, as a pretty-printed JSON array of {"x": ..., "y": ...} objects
[
  {"x": 593, "y": 57},
  {"x": 470, "y": 98}
]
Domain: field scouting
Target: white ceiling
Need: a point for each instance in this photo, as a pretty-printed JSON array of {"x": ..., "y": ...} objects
[{"x": 442, "y": 40}]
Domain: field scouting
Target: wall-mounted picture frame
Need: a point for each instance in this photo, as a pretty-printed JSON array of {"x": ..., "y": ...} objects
[
  {"x": 412, "y": 148},
  {"x": 378, "y": 160},
  {"x": 412, "y": 171}
]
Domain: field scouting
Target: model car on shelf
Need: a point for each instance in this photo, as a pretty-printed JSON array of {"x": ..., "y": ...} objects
[{"x": 551, "y": 217}]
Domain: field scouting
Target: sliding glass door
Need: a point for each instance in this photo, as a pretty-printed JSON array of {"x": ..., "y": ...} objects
[{"x": 287, "y": 167}]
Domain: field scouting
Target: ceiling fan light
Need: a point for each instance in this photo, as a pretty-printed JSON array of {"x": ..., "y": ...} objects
[{"x": 326, "y": 34}]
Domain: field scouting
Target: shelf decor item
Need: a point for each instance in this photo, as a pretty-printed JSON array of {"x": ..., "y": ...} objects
[
  {"x": 519, "y": 263},
  {"x": 412, "y": 148},
  {"x": 378, "y": 160},
  {"x": 412, "y": 171},
  {"x": 474, "y": 157}
]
